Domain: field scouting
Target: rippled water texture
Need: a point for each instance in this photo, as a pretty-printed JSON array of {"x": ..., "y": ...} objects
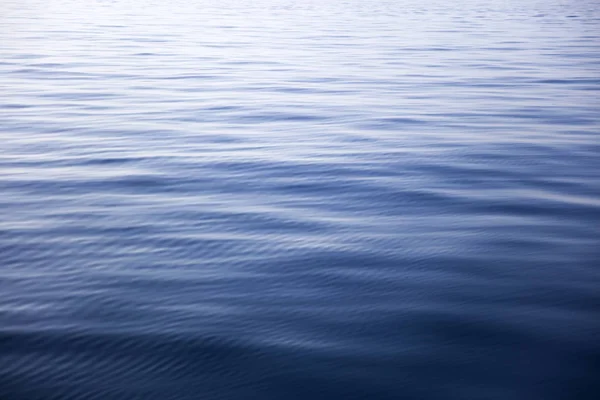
[{"x": 286, "y": 199}]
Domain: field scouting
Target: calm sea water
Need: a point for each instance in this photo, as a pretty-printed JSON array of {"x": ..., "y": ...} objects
[{"x": 299, "y": 199}]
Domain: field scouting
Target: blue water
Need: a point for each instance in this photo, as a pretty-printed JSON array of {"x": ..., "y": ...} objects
[{"x": 299, "y": 199}]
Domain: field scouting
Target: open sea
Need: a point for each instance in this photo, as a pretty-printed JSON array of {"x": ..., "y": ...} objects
[{"x": 299, "y": 199}]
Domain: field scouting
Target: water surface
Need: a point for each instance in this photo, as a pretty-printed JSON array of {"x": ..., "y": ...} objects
[{"x": 285, "y": 199}]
